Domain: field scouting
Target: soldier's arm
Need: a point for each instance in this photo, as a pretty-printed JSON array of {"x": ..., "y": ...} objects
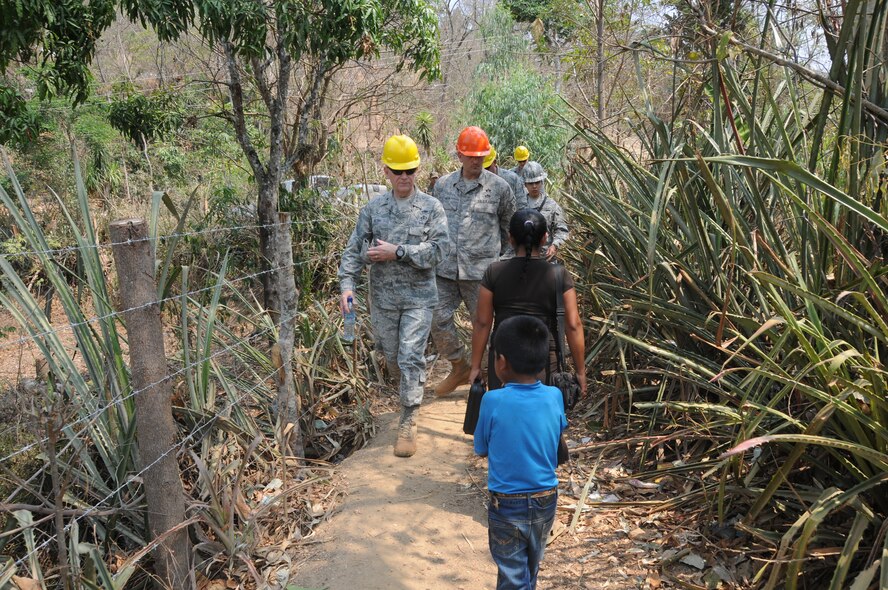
[
  {"x": 506, "y": 210},
  {"x": 430, "y": 253},
  {"x": 354, "y": 254},
  {"x": 521, "y": 197},
  {"x": 559, "y": 229}
]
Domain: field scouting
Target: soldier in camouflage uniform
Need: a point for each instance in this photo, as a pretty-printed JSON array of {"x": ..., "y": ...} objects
[
  {"x": 515, "y": 182},
  {"x": 402, "y": 236},
  {"x": 478, "y": 205},
  {"x": 535, "y": 181},
  {"x": 521, "y": 155}
]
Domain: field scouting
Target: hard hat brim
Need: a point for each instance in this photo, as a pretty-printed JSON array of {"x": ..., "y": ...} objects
[
  {"x": 534, "y": 179},
  {"x": 476, "y": 153},
  {"x": 403, "y": 165}
]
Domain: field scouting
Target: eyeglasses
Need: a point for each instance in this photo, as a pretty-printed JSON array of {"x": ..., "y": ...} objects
[{"x": 410, "y": 172}]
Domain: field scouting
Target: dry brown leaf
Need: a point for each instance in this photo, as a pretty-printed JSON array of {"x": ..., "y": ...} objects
[
  {"x": 26, "y": 583},
  {"x": 653, "y": 580},
  {"x": 638, "y": 534}
]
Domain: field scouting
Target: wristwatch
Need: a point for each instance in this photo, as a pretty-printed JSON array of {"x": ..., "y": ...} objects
[{"x": 399, "y": 253}]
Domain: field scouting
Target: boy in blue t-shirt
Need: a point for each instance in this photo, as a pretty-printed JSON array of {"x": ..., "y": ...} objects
[{"x": 518, "y": 431}]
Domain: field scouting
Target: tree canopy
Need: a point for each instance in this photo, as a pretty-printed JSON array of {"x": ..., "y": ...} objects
[{"x": 62, "y": 34}]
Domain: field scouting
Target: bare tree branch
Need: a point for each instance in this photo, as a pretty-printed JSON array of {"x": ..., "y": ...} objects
[{"x": 236, "y": 91}]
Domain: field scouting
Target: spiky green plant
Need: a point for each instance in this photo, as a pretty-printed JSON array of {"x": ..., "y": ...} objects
[
  {"x": 739, "y": 266},
  {"x": 225, "y": 393}
]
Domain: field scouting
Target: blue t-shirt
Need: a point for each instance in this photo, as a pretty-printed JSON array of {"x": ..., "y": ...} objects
[{"x": 518, "y": 429}]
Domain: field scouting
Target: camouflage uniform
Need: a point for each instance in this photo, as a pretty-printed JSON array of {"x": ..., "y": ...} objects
[
  {"x": 520, "y": 172},
  {"x": 517, "y": 184},
  {"x": 555, "y": 220},
  {"x": 402, "y": 292},
  {"x": 478, "y": 214}
]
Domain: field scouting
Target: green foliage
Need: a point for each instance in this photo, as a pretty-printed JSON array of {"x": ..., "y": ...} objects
[
  {"x": 317, "y": 232},
  {"x": 143, "y": 119},
  {"x": 102, "y": 171},
  {"x": 423, "y": 130},
  {"x": 505, "y": 49},
  {"x": 520, "y": 109},
  {"x": 330, "y": 30},
  {"x": 60, "y": 34},
  {"x": 739, "y": 263},
  {"x": 21, "y": 123},
  {"x": 173, "y": 160},
  {"x": 527, "y": 11}
]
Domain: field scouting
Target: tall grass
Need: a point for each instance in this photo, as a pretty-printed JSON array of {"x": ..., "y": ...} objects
[
  {"x": 739, "y": 268},
  {"x": 84, "y": 428}
]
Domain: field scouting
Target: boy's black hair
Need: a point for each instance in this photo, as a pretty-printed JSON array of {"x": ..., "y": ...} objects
[{"x": 524, "y": 341}]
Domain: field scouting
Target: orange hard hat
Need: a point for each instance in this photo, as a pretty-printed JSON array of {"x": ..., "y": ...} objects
[{"x": 473, "y": 142}]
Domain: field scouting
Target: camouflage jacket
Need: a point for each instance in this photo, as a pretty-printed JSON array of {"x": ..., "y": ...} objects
[
  {"x": 478, "y": 215},
  {"x": 421, "y": 228},
  {"x": 517, "y": 184},
  {"x": 554, "y": 214}
]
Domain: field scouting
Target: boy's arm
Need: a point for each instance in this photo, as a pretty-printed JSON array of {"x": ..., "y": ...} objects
[{"x": 482, "y": 429}]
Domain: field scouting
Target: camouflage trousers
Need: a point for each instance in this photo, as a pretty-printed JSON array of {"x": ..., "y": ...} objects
[
  {"x": 450, "y": 294},
  {"x": 401, "y": 335}
]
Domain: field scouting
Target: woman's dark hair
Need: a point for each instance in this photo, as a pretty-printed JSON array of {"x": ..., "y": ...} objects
[{"x": 527, "y": 227}]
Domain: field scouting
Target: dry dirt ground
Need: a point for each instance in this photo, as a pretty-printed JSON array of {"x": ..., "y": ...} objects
[{"x": 421, "y": 523}]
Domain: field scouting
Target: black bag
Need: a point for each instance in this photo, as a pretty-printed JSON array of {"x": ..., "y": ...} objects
[
  {"x": 473, "y": 406},
  {"x": 569, "y": 385},
  {"x": 564, "y": 380}
]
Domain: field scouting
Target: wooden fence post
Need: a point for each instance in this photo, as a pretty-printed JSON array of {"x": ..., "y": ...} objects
[
  {"x": 288, "y": 406},
  {"x": 155, "y": 427}
]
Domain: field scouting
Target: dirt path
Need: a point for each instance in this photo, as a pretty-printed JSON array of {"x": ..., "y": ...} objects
[
  {"x": 406, "y": 524},
  {"x": 421, "y": 523}
]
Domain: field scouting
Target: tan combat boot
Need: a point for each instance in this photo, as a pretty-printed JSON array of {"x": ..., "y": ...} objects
[
  {"x": 405, "y": 446},
  {"x": 459, "y": 375}
]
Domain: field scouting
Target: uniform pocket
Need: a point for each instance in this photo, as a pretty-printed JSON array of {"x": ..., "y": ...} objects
[
  {"x": 484, "y": 207},
  {"x": 418, "y": 234}
]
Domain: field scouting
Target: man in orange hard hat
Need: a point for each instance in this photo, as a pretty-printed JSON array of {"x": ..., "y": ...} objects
[{"x": 478, "y": 205}]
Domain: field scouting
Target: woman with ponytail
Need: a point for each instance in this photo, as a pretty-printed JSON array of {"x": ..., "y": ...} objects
[{"x": 525, "y": 285}]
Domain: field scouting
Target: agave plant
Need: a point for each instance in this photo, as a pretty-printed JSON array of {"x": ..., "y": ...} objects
[
  {"x": 222, "y": 375},
  {"x": 739, "y": 268}
]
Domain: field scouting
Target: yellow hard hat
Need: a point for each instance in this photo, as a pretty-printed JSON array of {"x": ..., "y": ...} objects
[
  {"x": 490, "y": 157},
  {"x": 521, "y": 153},
  {"x": 400, "y": 153}
]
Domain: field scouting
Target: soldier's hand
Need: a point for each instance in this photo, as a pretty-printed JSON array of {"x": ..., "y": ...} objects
[
  {"x": 382, "y": 251},
  {"x": 551, "y": 252},
  {"x": 343, "y": 300}
]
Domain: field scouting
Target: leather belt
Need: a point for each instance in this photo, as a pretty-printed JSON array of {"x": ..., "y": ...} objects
[{"x": 542, "y": 494}]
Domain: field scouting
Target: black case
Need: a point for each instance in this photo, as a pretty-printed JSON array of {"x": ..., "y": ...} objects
[{"x": 473, "y": 406}]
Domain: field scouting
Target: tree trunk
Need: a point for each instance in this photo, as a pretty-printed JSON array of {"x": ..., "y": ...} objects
[
  {"x": 599, "y": 62},
  {"x": 155, "y": 427},
  {"x": 288, "y": 408},
  {"x": 267, "y": 210}
]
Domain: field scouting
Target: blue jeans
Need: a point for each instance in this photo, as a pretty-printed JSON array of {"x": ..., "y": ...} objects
[{"x": 517, "y": 532}]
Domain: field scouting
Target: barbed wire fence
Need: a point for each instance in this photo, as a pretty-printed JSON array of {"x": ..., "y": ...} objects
[{"x": 115, "y": 402}]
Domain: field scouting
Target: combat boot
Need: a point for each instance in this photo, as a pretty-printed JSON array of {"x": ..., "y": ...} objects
[
  {"x": 405, "y": 446},
  {"x": 459, "y": 375}
]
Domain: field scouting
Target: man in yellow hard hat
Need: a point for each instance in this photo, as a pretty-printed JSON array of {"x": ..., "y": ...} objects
[
  {"x": 478, "y": 205},
  {"x": 515, "y": 182},
  {"x": 521, "y": 155},
  {"x": 402, "y": 236}
]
